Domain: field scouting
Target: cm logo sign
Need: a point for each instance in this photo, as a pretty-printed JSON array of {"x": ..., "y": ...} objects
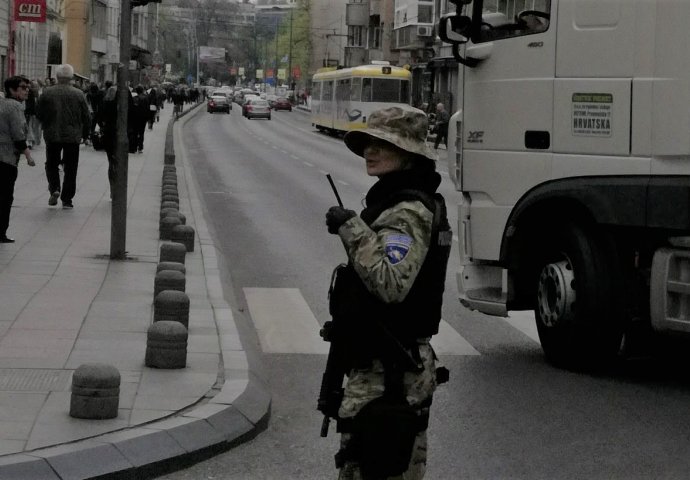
[{"x": 30, "y": 11}]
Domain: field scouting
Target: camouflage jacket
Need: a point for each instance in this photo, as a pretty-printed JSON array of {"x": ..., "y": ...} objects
[{"x": 388, "y": 256}]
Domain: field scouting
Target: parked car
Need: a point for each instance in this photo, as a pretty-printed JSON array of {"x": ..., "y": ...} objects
[
  {"x": 257, "y": 108},
  {"x": 218, "y": 103},
  {"x": 282, "y": 103},
  {"x": 245, "y": 102}
]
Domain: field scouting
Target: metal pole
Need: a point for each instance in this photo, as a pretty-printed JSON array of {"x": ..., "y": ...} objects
[
  {"x": 289, "y": 72},
  {"x": 118, "y": 220},
  {"x": 275, "y": 68}
]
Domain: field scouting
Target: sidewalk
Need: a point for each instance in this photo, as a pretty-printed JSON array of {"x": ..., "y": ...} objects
[{"x": 63, "y": 303}]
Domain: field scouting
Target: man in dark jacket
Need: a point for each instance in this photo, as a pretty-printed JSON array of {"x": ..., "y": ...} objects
[
  {"x": 141, "y": 107},
  {"x": 64, "y": 116}
]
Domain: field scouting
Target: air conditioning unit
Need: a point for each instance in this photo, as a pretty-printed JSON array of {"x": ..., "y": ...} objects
[{"x": 424, "y": 30}]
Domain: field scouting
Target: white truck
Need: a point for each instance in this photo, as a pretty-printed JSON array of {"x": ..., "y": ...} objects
[{"x": 571, "y": 152}]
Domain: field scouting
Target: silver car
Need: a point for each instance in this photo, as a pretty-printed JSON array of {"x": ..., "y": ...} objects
[{"x": 257, "y": 108}]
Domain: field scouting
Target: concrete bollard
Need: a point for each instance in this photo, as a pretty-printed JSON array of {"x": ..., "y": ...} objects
[
  {"x": 172, "y": 252},
  {"x": 168, "y": 211},
  {"x": 169, "y": 168},
  {"x": 170, "y": 205},
  {"x": 168, "y": 280},
  {"x": 171, "y": 266},
  {"x": 183, "y": 234},
  {"x": 95, "y": 391},
  {"x": 170, "y": 197},
  {"x": 166, "y": 226},
  {"x": 168, "y": 190},
  {"x": 171, "y": 305},
  {"x": 183, "y": 219},
  {"x": 166, "y": 345}
]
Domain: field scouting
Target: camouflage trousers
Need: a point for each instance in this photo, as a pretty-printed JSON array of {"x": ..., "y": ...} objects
[{"x": 415, "y": 471}]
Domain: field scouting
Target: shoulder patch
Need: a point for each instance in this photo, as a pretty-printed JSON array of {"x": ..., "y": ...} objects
[{"x": 396, "y": 247}]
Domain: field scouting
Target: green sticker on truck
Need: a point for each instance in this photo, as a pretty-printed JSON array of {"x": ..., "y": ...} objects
[{"x": 592, "y": 114}]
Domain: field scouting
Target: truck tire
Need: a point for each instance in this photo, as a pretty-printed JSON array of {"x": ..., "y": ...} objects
[{"x": 577, "y": 307}]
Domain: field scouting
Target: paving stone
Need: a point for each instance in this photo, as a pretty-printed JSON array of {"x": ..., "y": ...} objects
[{"x": 25, "y": 467}]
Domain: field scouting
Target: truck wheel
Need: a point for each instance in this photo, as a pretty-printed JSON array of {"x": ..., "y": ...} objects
[{"x": 577, "y": 306}]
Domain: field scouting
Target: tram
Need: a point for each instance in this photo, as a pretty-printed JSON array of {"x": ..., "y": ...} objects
[{"x": 342, "y": 99}]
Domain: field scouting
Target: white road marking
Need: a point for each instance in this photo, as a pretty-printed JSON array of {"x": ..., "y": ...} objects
[
  {"x": 342, "y": 183},
  {"x": 449, "y": 342},
  {"x": 284, "y": 321},
  {"x": 294, "y": 157},
  {"x": 308, "y": 164},
  {"x": 524, "y": 321},
  {"x": 285, "y": 324}
]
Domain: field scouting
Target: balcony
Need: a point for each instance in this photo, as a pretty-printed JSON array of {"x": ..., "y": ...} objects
[
  {"x": 357, "y": 14},
  {"x": 412, "y": 37},
  {"x": 355, "y": 56}
]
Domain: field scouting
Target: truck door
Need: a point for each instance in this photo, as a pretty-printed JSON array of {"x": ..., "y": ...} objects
[{"x": 507, "y": 113}]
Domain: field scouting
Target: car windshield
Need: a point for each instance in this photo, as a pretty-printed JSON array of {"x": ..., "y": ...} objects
[
  {"x": 218, "y": 98},
  {"x": 259, "y": 103}
]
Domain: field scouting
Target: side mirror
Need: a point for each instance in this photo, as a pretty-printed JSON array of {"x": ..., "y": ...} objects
[
  {"x": 454, "y": 28},
  {"x": 460, "y": 3}
]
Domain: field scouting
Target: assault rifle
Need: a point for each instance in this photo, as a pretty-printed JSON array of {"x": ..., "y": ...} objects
[{"x": 331, "y": 392}]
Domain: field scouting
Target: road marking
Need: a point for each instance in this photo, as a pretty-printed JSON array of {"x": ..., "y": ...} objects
[
  {"x": 294, "y": 157},
  {"x": 284, "y": 151},
  {"x": 284, "y": 321},
  {"x": 524, "y": 321},
  {"x": 308, "y": 164},
  {"x": 342, "y": 183},
  {"x": 323, "y": 172},
  {"x": 449, "y": 342}
]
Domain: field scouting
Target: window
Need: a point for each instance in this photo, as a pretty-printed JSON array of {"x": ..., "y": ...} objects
[
  {"x": 355, "y": 36},
  {"x": 316, "y": 90},
  {"x": 343, "y": 90},
  {"x": 387, "y": 90},
  {"x": 513, "y": 18},
  {"x": 356, "y": 90},
  {"x": 375, "y": 37},
  {"x": 426, "y": 14},
  {"x": 327, "y": 91},
  {"x": 366, "y": 89}
]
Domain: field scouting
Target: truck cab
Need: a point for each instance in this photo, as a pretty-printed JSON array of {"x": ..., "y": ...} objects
[{"x": 570, "y": 151}]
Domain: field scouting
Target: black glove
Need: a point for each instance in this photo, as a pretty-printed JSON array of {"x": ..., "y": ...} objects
[{"x": 336, "y": 216}]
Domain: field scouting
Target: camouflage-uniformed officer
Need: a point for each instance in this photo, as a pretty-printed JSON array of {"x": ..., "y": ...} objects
[{"x": 400, "y": 258}]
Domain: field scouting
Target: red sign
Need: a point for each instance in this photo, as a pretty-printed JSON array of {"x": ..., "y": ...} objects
[
  {"x": 296, "y": 72},
  {"x": 269, "y": 73},
  {"x": 30, "y": 11},
  {"x": 233, "y": 71}
]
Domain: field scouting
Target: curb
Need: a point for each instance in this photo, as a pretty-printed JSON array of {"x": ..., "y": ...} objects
[{"x": 233, "y": 414}]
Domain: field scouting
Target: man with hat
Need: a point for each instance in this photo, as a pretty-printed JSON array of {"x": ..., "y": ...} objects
[{"x": 388, "y": 298}]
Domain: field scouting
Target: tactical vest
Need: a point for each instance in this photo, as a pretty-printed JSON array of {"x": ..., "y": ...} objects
[{"x": 364, "y": 322}]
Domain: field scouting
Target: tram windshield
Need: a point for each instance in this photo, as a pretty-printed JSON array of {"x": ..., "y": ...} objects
[{"x": 385, "y": 90}]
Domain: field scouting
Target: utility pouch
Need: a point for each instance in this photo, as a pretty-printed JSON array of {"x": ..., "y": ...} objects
[{"x": 384, "y": 432}]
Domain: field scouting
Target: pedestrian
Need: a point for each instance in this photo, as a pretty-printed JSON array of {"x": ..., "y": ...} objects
[
  {"x": 64, "y": 116},
  {"x": 388, "y": 298},
  {"x": 442, "y": 119},
  {"x": 94, "y": 98},
  {"x": 141, "y": 108},
  {"x": 153, "y": 106},
  {"x": 107, "y": 119},
  {"x": 33, "y": 137},
  {"x": 13, "y": 130}
]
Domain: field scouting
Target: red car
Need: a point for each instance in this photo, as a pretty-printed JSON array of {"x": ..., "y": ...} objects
[{"x": 282, "y": 104}]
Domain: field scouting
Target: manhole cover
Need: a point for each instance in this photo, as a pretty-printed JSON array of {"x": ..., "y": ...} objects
[{"x": 34, "y": 380}]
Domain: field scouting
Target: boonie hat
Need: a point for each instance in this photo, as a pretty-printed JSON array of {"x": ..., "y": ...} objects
[{"x": 405, "y": 128}]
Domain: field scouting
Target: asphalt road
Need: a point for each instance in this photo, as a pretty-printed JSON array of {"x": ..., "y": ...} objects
[{"x": 505, "y": 413}]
